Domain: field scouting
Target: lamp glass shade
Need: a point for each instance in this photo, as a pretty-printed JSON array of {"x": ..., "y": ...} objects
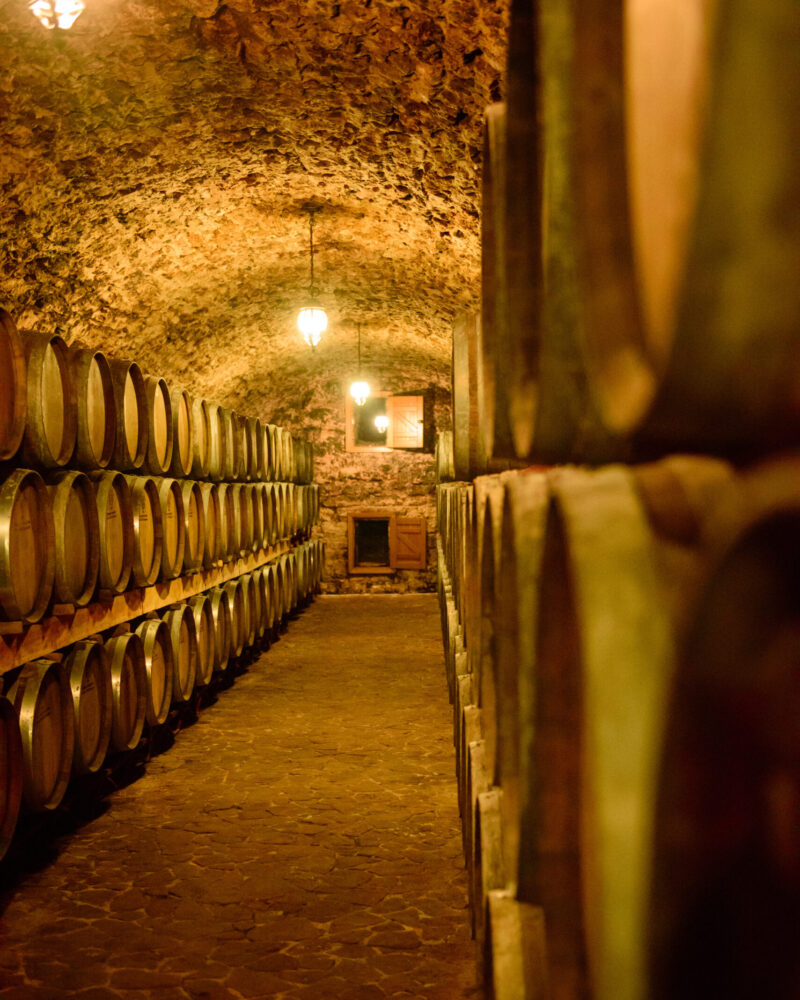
[
  {"x": 56, "y": 13},
  {"x": 312, "y": 322},
  {"x": 360, "y": 392},
  {"x": 382, "y": 423}
]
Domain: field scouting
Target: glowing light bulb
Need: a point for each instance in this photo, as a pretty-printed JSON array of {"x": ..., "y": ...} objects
[
  {"x": 56, "y": 13},
  {"x": 359, "y": 391},
  {"x": 382, "y": 423},
  {"x": 312, "y": 322}
]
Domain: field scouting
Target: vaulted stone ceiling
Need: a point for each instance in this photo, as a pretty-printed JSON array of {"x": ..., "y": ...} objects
[{"x": 157, "y": 159}]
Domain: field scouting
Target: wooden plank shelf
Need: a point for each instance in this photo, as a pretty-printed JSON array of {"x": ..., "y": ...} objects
[{"x": 30, "y": 642}]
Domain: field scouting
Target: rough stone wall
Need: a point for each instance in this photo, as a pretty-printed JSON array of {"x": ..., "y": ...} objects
[
  {"x": 156, "y": 161},
  {"x": 398, "y": 481}
]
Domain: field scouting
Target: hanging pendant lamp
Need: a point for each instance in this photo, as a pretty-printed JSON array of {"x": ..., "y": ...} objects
[
  {"x": 312, "y": 320},
  {"x": 359, "y": 390}
]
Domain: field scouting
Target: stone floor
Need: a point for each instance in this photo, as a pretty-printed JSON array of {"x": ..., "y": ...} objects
[{"x": 300, "y": 840}]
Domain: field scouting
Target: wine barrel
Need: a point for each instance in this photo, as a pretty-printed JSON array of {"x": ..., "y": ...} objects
[
  {"x": 27, "y": 547},
  {"x": 148, "y": 531},
  {"x": 195, "y": 526},
  {"x": 173, "y": 520},
  {"x": 11, "y": 772},
  {"x": 273, "y": 458},
  {"x": 13, "y": 388},
  {"x": 257, "y": 515},
  {"x": 213, "y": 538},
  {"x": 491, "y": 363},
  {"x": 183, "y": 635},
  {"x": 77, "y": 537},
  {"x": 96, "y": 415},
  {"x": 263, "y": 500},
  {"x": 253, "y": 604},
  {"x": 223, "y": 628},
  {"x": 230, "y": 521},
  {"x": 160, "y": 439},
  {"x": 273, "y": 597},
  {"x": 130, "y": 404},
  {"x": 279, "y": 571},
  {"x": 201, "y": 439},
  {"x": 51, "y": 424},
  {"x": 274, "y": 513},
  {"x": 217, "y": 458},
  {"x": 586, "y": 853},
  {"x": 261, "y": 578},
  {"x": 115, "y": 517},
  {"x": 206, "y": 638},
  {"x": 661, "y": 149},
  {"x": 231, "y": 450},
  {"x": 244, "y": 518},
  {"x": 726, "y": 825},
  {"x": 254, "y": 443},
  {"x": 237, "y": 600},
  {"x": 261, "y": 452},
  {"x": 184, "y": 433},
  {"x": 513, "y": 665},
  {"x": 301, "y": 495},
  {"x": 129, "y": 689},
  {"x": 469, "y": 460},
  {"x": 160, "y": 669},
  {"x": 43, "y": 704},
  {"x": 89, "y": 677},
  {"x": 445, "y": 468}
]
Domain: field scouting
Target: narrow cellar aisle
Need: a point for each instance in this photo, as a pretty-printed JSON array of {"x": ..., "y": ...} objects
[{"x": 301, "y": 840}]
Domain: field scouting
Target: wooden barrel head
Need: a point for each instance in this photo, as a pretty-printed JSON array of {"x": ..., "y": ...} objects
[
  {"x": 159, "y": 669},
  {"x": 160, "y": 441},
  {"x": 130, "y": 401},
  {"x": 183, "y": 636},
  {"x": 223, "y": 628},
  {"x": 77, "y": 535},
  {"x": 201, "y": 439},
  {"x": 44, "y": 708},
  {"x": 184, "y": 431},
  {"x": 204, "y": 628},
  {"x": 174, "y": 527},
  {"x": 52, "y": 418},
  {"x": 129, "y": 688},
  {"x": 27, "y": 555},
  {"x": 212, "y": 537},
  {"x": 115, "y": 515},
  {"x": 89, "y": 675},
  {"x": 96, "y": 414}
]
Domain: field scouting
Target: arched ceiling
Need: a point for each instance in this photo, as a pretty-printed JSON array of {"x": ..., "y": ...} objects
[{"x": 157, "y": 159}]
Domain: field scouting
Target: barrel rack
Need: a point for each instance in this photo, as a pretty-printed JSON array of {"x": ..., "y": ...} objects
[{"x": 20, "y": 643}]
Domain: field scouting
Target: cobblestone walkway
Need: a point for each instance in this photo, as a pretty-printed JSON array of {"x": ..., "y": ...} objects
[{"x": 301, "y": 840}]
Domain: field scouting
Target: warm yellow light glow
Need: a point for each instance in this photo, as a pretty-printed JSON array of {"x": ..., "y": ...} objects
[
  {"x": 359, "y": 391},
  {"x": 382, "y": 423},
  {"x": 56, "y": 13},
  {"x": 312, "y": 322}
]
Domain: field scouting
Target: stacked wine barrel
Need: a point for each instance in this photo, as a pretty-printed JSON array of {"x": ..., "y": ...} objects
[
  {"x": 621, "y": 617},
  {"x": 116, "y": 491}
]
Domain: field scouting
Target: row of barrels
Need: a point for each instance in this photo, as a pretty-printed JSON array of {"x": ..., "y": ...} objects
[
  {"x": 622, "y": 646},
  {"x": 69, "y": 406},
  {"x": 62, "y": 717},
  {"x": 640, "y": 238},
  {"x": 72, "y": 536}
]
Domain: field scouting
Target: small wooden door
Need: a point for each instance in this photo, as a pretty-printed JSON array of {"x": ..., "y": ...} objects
[
  {"x": 411, "y": 543},
  {"x": 405, "y": 421}
]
